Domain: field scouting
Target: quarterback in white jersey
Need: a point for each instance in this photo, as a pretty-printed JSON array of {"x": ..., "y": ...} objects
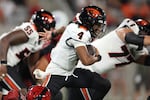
[
  {"x": 64, "y": 55},
  {"x": 88, "y": 24},
  {"x": 121, "y": 46},
  {"x": 19, "y": 43}
]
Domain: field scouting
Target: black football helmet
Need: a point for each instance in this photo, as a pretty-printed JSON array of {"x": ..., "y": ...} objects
[
  {"x": 144, "y": 26},
  {"x": 93, "y": 15},
  {"x": 43, "y": 19}
]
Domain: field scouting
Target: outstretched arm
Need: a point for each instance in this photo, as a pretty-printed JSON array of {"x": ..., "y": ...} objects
[
  {"x": 48, "y": 35},
  {"x": 128, "y": 36},
  {"x": 144, "y": 60}
]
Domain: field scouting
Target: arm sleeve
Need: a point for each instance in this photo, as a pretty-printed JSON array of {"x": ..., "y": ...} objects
[{"x": 132, "y": 38}]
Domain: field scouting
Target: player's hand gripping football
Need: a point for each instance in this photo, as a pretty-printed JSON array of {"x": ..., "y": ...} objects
[
  {"x": 97, "y": 54},
  {"x": 93, "y": 51}
]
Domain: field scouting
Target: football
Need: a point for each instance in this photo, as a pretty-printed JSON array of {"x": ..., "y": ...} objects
[{"x": 91, "y": 49}]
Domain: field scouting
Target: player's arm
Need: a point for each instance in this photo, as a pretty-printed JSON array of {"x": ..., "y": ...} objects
[
  {"x": 48, "y": 35},
  {"x": 85, "y": 57},
  {"x": 137, "y": 39},
  {"x": 128, "y": 36},
  {"x": 33, "y": 58},
  {"x": 144, "y": 60},
  {"x": 13, "y": 38},
  {"x": 58, "y": 31}
]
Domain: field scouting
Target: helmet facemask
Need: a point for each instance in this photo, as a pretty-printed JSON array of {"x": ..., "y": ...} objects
[{"x": 98, "y": 29}]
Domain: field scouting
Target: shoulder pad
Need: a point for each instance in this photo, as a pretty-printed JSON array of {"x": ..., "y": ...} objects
[{"x": 131, "y": 24}]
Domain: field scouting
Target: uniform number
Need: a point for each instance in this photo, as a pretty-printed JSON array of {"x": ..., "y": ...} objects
[
  {"x": 80, "y": 35},
  {"x": 28, "y": 30},
  {"x": 24, "y": 53},
  {"x": 125, "y": 53}
]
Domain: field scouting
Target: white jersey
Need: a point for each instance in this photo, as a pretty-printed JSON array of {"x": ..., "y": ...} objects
[
  {"x": 131, "y": 24},
  {"x": 17, "y": 52},
  {"x": 114, "y": 53},
  {"x": 63, "y": 56}
]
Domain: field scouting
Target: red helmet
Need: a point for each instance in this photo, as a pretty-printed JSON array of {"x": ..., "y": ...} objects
[
  {"x": 144, "y": 26},
  {"x": 38, "y": 93}
]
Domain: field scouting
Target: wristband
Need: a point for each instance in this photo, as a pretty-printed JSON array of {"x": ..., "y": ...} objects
[
  {"x": 98, "y": 57},
  {"x": 3, "y": 62}
]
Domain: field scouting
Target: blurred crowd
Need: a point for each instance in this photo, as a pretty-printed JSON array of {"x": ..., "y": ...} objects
[
  {"x": 13, "y": 12},
  {"x": 20, "y": 10}
]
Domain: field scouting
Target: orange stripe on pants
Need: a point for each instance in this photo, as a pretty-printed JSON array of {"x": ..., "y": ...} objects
[
  {"x": 10, "y": 83},
  {"x": 85, "y": 94}
]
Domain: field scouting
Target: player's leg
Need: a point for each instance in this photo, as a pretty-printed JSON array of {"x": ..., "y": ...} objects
[
  {"x": 54, "y": 83},
  {"x": 8, "y": 94},
  {"x": 76, "y": 94},
  {"x": 26, "y": 74},
  {"x": 83, "y": 94},
  {"x": 86, "y": 78},
  {"x": 14, "y": 82},
  {"x": 103, "y": 87}
]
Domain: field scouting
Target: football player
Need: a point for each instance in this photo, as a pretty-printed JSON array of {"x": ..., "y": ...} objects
[
  {"x": 17, "y": 45},
  {"x": 88, "y": 25},
  {"x": 121, "y": 46}
]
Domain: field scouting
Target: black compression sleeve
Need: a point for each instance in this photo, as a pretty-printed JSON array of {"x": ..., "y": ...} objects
[{"x": 132, "y": 38}]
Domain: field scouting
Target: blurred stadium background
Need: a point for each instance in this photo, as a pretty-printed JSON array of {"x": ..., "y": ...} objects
[{"x": 126, "y": 81}]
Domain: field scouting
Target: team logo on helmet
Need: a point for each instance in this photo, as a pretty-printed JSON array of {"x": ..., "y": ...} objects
[
  {"x": 93, "y": 12},
  {"x": 93, "y": 15}
]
